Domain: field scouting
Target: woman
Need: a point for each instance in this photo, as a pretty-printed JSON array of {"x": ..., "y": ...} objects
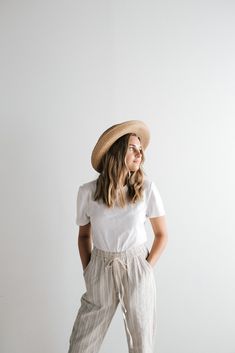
[{"x": 117, "y": 265}]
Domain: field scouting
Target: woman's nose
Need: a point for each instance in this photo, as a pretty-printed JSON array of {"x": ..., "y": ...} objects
[{"x": 137, "y": 153}]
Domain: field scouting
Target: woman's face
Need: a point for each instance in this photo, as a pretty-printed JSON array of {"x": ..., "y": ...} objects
[{"x": 133, "y": 155}]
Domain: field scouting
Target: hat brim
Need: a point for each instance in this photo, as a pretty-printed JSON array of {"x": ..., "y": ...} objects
[{"x": 113, "y": 133}]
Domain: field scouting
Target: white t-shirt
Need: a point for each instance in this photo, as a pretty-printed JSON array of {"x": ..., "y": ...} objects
[{"x": 118, "y": 229}]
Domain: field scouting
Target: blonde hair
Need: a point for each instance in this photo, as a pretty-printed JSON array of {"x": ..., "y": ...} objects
[{"x": 109, "y": 184}]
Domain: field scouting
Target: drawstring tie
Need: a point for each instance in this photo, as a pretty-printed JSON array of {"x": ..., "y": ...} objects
[{"x": 114, "y": 264}]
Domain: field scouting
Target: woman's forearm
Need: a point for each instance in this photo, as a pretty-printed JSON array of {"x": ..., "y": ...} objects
[{"x": 158, "y": 246}]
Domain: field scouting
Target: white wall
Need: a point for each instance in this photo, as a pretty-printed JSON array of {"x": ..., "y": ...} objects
[{"x": 69, "y": 70}]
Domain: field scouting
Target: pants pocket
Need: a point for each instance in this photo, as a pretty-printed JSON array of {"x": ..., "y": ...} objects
[
  {"x": 88, "y": 266},
  {"x": 145, "y": 261},
  {"x": 148, "y": 264}
]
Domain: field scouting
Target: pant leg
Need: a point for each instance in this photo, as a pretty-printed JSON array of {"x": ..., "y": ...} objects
[
  {"x": 140, "y": 301},
  {"x": 98, "y": 305}
]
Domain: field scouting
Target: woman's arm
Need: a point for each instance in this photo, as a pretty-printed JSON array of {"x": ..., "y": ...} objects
[
  {"x": 160, "y": 239},
  {"x": 85, "y": 244}
]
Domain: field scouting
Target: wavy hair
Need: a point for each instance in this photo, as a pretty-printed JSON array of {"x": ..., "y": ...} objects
[{"x": 115, "y": 174}]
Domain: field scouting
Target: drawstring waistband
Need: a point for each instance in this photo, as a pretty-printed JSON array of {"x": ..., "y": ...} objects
[{"x": 116, "y": 261}]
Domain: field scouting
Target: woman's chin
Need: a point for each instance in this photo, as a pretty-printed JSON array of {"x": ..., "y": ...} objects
[{"x": 134, "y": 168}]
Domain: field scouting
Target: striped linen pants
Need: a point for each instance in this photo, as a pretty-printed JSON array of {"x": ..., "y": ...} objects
[{"x": 111, "y": 278}]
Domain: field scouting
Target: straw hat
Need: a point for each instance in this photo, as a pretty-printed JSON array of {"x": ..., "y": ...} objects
[{"x": 113, "y": 133}]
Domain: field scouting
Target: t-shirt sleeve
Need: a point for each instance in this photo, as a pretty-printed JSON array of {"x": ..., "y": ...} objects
[
  {"x": 82, "y": 213},
  {"x": 155, "y": 206}
]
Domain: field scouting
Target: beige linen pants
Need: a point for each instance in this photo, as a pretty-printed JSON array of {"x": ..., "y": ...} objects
[{"x": 113, "y": 277}]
